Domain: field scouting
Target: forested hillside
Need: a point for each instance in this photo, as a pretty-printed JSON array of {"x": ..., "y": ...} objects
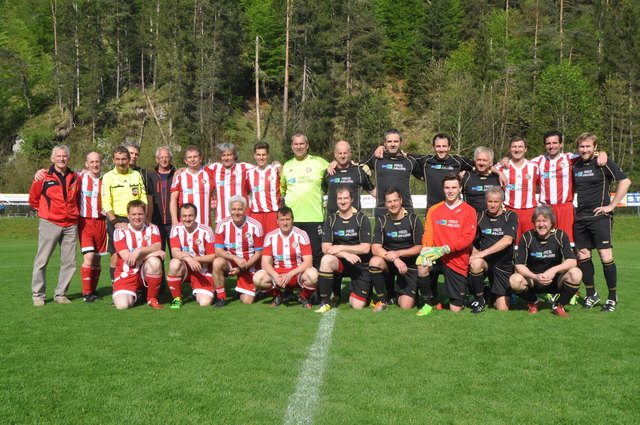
[{"x": 93, "y": 74}]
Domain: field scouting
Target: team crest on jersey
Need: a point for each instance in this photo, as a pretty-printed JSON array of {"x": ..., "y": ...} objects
[
  {"x": 308, "y": 170},
  {"x": 295, "y": 245},
  {"x": 146, "y": 237},
  {"x": 203, "y": 181},
  {"x": 247, "y": 235},
  {"x": 198, "y": 241},
  {"x": 527, "y": 176},
  {"x": 134, "y": 190},
  {"x": 272, "y": 178}
]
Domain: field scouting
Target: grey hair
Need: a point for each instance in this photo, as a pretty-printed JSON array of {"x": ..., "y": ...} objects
[
  {"x": 60, "y": 147},
  {"x": 237, "y": 198},
  {"x": 544, "y": 210},
  {"x": 494, "y": 190},
  {"x": 482, "y": 149},
  {"x": 300, "y": 135},
  {"x": 133, "y": 145},
  {"x": 164, "y": 147},
  {"x": 393, "y": 131},
  {"x": 227, "y": 146}
]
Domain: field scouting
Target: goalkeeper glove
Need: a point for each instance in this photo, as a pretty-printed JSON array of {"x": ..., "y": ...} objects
[
  {"x": 434, "y": 252},
  {"x": 423, "y": 261}
]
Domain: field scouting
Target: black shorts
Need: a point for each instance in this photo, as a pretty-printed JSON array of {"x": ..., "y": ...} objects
[
  {"x": 455, "y": 284},
  {"x": 593, "y": 232},
  {"x": 110, "y": 229},
  {"x": 360, "y": 285},
  {"x": 406, "y": 284},
  {"x": 552, "y": 288},
  {"x": 499, "y": 280}
]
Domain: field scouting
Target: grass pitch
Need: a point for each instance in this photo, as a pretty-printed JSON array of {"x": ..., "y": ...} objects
[{"x": 90, "y": 364}]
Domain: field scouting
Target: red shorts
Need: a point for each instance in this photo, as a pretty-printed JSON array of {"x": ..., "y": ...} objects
[
  {"x": 524, "y": 221},
  {"x": 127, "y": 284},
  {"x": 565, "y": 216},
  {"x": 245, "y": 285},
  {"x": 201, "y": 283},
  {"x": 93, "y": 235},
  {"x": 269, "y": 220}
]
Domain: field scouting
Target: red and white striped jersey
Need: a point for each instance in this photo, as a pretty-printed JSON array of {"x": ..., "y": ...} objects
[
  {"x": 287, "y": 251},
  {"x": 197, "y": 243},
  {"x": 195, "y": 188},
  {"x": 264, "y": 188},
  {"x": 520, "y": 192},
  {"x": 90, "y": 195},
  {"x": 556, "y": 182},
  {"x": 131, "y": 239},
  {"x": 228, "y": 182},
  {"x": 241, "y": 241}
]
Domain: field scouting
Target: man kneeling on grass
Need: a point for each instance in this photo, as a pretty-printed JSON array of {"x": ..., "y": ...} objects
[
  {"x": 192, "y": 251},
  {"x": 545, "y": 263},
  {"x": 139, "y": 249},
  {"x": 287, "y": 262},
  {"x": 238, "y": 244}
]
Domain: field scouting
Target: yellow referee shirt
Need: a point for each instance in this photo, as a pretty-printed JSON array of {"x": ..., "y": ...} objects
[{"x": 118, "y": 189}]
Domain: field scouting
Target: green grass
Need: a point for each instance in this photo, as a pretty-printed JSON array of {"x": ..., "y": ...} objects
[{"x": 90, "y": 364}]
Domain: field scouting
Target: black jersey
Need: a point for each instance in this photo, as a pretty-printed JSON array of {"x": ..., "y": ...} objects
[
  {"x": 435, "y": 169},
  {"x": 354, "y": 177},
  {"x": 148, "y": 184},
  {"x": 394, "y": 171},
  {"x": 395, "y": 235},
  {"x": 491, "y": 229},
  {"x": 539, "y": 255},
  {"x": 475, "y": 186},
  {"x": 352, "y": 231},
  {"x": 592, "y": 183}
]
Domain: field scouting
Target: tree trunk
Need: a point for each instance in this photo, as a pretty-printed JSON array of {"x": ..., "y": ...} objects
[
  {"x": 561, "y": 28},
  {"x": 285, "y": 95},
  {"x": 56, "y": 60},
  {"x": 77, "y": 46},
  {"x": 257, "y": 74}
]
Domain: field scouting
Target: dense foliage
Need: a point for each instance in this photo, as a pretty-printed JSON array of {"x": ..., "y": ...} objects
[{"x": 96, "y": 73}]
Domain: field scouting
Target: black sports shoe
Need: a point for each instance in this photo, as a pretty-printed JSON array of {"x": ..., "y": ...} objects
[
  {"x": 610, "y": 305},
  {"x": 88, "y": 298},
  {"x": 220, "y": 303},
  {"x": 591, "y": 301},
  {"x": 276, "y": 301},
  {"x": 477, "y": 307},
  {"x": 305, "y": 302},
  {"x": 96, "y": 296}
]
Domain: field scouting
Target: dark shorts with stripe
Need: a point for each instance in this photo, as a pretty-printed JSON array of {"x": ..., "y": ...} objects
[
  {"x": 405, "y": 284},
  {"x": 593, "y": 232},
  {"x": 552, "y": 288},
  {"x": 360, "y": 285}
]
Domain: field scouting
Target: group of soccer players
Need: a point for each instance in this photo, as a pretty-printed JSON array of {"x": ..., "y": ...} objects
[{"x": 512, "y": 221}]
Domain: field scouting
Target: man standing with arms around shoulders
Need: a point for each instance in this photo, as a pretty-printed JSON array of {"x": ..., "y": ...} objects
[
  {"x": 594, "y": 217},
  {"x": 263, "y": 186},
  {"x": 92, "y": 227},
  {"x": 477, "y": 182},
  {"x": 301, "y": 188},
  {"x": 120, "y": 186},
  {"x": 160, "y": 179},
  {"x": 449, "y": 230},
  {"x": 194, "y": 186},
  {"x": 54, "y": 197}
]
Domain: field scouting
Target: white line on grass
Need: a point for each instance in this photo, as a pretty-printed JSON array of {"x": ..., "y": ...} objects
[{"x": 303, "y": 401}]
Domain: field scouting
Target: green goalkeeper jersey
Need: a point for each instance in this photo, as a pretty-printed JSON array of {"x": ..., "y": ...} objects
[{"x": 301, "y": 188}]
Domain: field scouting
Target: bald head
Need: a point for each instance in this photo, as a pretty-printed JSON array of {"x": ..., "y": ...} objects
[
  {"x": 93, "y": 163},
  {"x": 342, "y": 153}
]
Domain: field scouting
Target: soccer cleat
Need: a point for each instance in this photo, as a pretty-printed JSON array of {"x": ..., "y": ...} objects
[
  {"x": 176, "y": 303},
  {"x": 610, "y": 305},
  {"x": 305, "y": 302},
  {"x": 591, "y": 301},
  {"x": 153, "y": 303},
  {"x": 323, "y": 308},
  {"x": 88, "y": 298},
  {"x": 220, "y": 302},
  {"x": 574, "y": 300},
  {"x": 559, "y": 311},
  {"x": 534, "y": 307},
  {"x": 335, "y": 300},
  {"x": 425, "y": 310},
  {"x": 477, "y": 307},
  {"x": 276, "y": 301},
  {"x": 380, "y": 306}
]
